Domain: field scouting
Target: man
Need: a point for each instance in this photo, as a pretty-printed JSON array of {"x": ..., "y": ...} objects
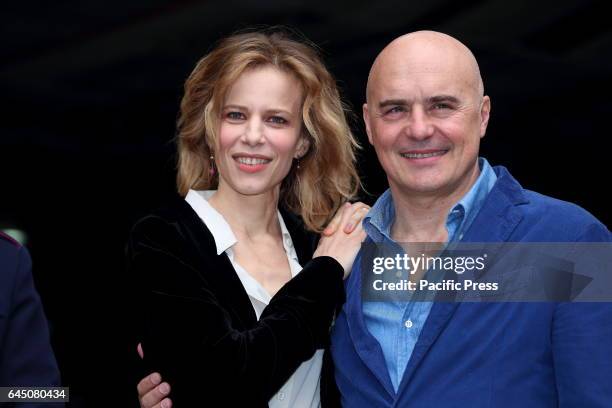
[
  {"x": 26, "y": 357},
  {"x": 425, "y": 115}
]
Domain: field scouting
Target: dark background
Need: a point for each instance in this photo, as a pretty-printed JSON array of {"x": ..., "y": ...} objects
[{"x": 90, "y": 93}]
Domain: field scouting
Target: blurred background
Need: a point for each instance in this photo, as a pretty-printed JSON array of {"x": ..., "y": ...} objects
[{"x": 90, "y": 93}]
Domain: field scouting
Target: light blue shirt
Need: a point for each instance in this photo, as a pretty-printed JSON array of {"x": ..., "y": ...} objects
[{"x": 397, "y": 325}]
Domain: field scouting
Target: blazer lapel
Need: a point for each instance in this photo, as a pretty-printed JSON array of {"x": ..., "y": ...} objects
[
  {"x": 495, "y": 222},
  {"x": 304, "y": 242},
  {"x": 366, "y": 346},
  {"x": 219, "y": 270}
]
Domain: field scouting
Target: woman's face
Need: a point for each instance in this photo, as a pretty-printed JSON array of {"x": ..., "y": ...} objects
[{"x": 260, "y": 129}]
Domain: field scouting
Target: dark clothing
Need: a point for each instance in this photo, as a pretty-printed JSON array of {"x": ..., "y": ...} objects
[
  {"x": 26, "y": 357},
  {"x": 199, "y": 328}
]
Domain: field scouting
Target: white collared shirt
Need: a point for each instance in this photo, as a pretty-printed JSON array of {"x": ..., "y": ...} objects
[{"x": 302, "y": 389}]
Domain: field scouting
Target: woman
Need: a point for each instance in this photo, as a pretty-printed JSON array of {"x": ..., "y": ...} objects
[{"x": 229, "y": 318}]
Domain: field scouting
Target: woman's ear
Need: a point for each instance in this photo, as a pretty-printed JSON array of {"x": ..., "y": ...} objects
[{"x": 302, "y": 147}]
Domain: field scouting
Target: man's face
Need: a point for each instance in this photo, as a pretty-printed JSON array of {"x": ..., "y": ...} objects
[{"x": 425, "y": 121}]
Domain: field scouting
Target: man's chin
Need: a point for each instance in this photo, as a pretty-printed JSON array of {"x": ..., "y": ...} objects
[{"x": 421, "y": 187}]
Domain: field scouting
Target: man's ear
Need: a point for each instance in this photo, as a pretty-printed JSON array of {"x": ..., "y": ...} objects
[
  {"x": 485, "y": 112},
  {"x": 302, "y": 147},
  {"x": 366, "y": 120}
]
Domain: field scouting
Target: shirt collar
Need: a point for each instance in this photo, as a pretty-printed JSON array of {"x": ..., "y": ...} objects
[
  {"x": 470, "y": 204},
  {"x": 379, "y": 219},
  {"x": 219, "y": 228},
  {"x": 216, "y": 224}
]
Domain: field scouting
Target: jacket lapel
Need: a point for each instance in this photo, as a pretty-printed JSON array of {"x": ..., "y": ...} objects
[
  {"x": 304, "y": 242},
  {"x": 366, "y": 346},
  {"x": 495, "y": 222},
  {"x": 219, "y": 270}
]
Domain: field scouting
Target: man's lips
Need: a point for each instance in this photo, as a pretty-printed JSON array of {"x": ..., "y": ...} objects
[{"x": 423, "y": 154}]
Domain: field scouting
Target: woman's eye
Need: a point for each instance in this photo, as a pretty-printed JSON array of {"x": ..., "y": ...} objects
[
  {"x": 235, "y": 115},
  {"x": 277, "y": 120}
]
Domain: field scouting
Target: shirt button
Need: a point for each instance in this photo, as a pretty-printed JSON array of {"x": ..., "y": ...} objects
[
  {"x": 281, "y": 396},
  {"x": 408, "y": 323}
]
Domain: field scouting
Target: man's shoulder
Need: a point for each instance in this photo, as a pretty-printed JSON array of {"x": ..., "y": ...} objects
[
  {"x": 566, "y": 217},
  {"x": 13, "y": 258},
  {"x": 544, "y": 204},
  {"x": 10, "y": 249},
  {"x": 8, "y": 241},
  {"x": 545, "y": 217}
]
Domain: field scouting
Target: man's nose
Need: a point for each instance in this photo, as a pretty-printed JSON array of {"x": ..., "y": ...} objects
[{"x": 419, "y": 125}]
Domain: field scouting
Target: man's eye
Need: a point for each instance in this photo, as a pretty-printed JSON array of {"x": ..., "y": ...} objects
[
  {"x": 440, "y": 106},
  {"x": 396, "y": 109},
  {"x": 235, "y": 115},
  {"x": 277, "y": 120}
]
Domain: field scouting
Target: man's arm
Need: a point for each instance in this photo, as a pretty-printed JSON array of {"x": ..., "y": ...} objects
[
  {"x": 152, "y": 391},
  {"x": 581, "y": 341},
  {"x": 26, "y": 357}
]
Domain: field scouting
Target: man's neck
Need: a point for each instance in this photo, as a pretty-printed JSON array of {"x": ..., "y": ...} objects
[{"x": 421, "y": 217}]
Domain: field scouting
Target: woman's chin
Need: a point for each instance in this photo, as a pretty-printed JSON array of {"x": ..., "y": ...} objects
[{"x": 255, "y": 189}]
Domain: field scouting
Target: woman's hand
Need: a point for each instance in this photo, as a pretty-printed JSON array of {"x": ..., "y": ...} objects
[
  {"x": 358, "y": 212},
  {"x": 342, "y": 246}
]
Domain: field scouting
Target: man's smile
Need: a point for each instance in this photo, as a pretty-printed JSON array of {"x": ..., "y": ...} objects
[{"x": 423, "y": 154}]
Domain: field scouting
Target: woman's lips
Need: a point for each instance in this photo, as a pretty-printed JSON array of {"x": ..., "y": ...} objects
[{"x": 251, "y": 163}]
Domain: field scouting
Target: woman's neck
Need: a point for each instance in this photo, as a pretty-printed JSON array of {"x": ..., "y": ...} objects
[{"x": 248, "y": 215}]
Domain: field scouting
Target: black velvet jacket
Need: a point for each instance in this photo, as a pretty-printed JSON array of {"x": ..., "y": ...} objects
[{"x": 199, "y": 329}]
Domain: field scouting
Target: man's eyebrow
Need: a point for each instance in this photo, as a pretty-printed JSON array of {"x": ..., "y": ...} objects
[
  {"x": 443, "y": 98},
  {"x": 392, "y": 102}
]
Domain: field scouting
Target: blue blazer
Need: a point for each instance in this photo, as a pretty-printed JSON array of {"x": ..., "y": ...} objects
[
  {"x": 491, "y": 354},
  {"x": 26, "y": 358}
]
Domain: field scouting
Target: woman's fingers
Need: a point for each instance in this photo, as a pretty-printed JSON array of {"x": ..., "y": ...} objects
[
  {"x": 359, "y": 211},
  {"x": 332, "y": 227}
]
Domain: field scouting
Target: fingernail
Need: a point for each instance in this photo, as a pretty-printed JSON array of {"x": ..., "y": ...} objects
[
  {"x": 348, "y": 227},
  {"x": 155, "y": 378},
  {"x": 165, "y": 404},
  {"x": 164, "y": 388}
]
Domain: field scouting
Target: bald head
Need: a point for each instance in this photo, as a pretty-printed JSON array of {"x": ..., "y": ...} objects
[
  {"x": 426, "y": 51},
  {"x": 425, "y": 115}
]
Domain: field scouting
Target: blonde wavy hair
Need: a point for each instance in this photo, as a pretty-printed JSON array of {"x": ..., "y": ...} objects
[{"x": 326, "y": 176}]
